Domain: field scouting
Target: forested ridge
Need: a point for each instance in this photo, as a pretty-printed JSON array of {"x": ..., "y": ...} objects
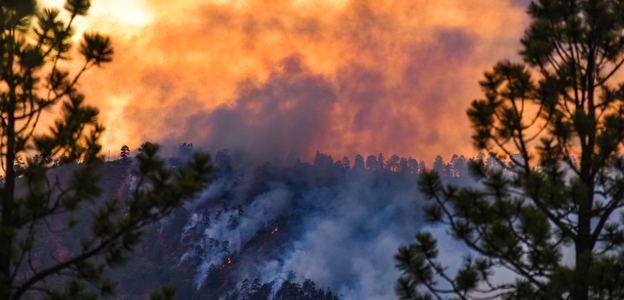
[
  {"x": 235, "y": 241},
  {"x": 249, "y": 221}
]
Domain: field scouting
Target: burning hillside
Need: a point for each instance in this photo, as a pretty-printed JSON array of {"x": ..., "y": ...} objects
[{"x": 281, "y": 225}]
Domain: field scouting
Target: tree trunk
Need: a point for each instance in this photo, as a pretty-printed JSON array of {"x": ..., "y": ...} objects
[
  {"x": 584, "y": 245},
  {"x": 7, "y": 233},
  {"x": 583, "y": 253}
]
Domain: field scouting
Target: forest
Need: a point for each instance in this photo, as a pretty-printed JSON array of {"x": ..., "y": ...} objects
[
  {"x": 533, "y": 215},
  {"x": 280, "y": 230}
]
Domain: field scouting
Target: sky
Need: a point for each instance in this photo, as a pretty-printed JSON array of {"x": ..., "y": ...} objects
[{"x": 338, "y": 76}]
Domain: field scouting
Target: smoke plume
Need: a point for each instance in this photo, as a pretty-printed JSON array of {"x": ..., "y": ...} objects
[{"x": 340, "y": 76}]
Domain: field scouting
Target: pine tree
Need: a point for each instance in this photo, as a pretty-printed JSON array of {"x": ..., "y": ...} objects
[
  {"x": 213, "y": 242},
  {"x": 255, "y": 286},
  {"x": 245, "y": 288},
  {"x": 562, "y": 101},
  {"x": 413, "y": 165},
  {"x": 422, "y": 166},
  {"x": 34, "y": 47},
  {"x": 225, "y": 247},
  {"x": 439, "y": 165},
  {"x": 393, "y": 163},
  {"x": 459, "y": 166},
  {"x": 371, "y": 162},
  {"x": 212, "y": 278},
  {"x": 453, "y": 170},
  {"x": 404, "y": 165},
  {"x": 142, "y": 146},
  {"x": 125, "y": 152},
  {"x": 380, "y": 161},
  {"x": 338, "y": 164},
  {"x": 358, "y": 162},
  {"x": 206, "y": 217},
  {"x": 241, "y": 212}
]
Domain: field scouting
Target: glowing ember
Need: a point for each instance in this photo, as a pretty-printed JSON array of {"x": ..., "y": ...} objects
[
  {"x": 229, "y": 262},
  {"x": 274, "y": 231}
]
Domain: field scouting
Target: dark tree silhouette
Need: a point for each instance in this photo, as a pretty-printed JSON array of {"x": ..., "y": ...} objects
[
  {"x": 563, "y": 101},
  {"x": 380, "y": 161},
  {"x": 323, "y": 161},
  {"x": 439, "y": 165},
  {"x": 404, "y": 166},
  {"x": 225, "y": 247},
  {"x": 339, "y": 164},
  {"x": 448, "y": 170},
  {"x": 452, "y": 171},
  {"x": 141, "y": 148},
  {"x": 359, "y": 162},
  {"x": 346, "y": 163},
  {"x": 460, "y": 168},
  {"x": 206, "y": 217},
  {"x": 255, "y": 286},
  {"x": 213, "y": 281},
  {"x": 393, "y": 163},
  {"x": 371, "y": 162},
  {"x": 244, "y": 290},
  {"x": 413, "y": 166},
  {"x": 422, "y": 166},
  {"x": 125, "y": 152},
  {"x": 33, "y": 46}
]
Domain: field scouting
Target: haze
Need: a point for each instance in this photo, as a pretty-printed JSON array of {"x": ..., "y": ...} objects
[{"x": 343, "y": 77}]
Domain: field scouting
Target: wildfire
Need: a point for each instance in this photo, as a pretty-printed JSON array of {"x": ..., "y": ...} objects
[
  {"x": 229, "y": 262},
  {"x": 274, "y": 231}
]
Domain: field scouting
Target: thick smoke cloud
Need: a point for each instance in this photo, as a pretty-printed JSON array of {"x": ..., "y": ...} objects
[
  {"x": 338, "y": 227},
  {"x": 395, "y": 76},
  {"x": 341, "y": 233},
  {"x": 289, "y": 111},
  {"x": 350, "y": 246}
]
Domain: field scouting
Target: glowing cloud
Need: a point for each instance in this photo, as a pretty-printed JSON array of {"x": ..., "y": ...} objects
[{"x": 343, "y": 77}]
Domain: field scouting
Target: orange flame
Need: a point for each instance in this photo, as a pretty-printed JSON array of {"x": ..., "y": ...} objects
[
  {"x": 229, "y": 262},
  {"x": 274, "y": 231}
]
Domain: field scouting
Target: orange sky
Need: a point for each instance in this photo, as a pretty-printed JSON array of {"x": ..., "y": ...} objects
[{"x": 339, "y": 76}]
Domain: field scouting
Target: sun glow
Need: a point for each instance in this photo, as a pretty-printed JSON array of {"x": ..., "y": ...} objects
[{"x": 130, "y": 12}]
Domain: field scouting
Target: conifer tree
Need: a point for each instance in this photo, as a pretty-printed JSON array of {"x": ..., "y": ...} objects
[
  {"x": 206, "y": 217},
  {"x": 562, "y": 102},
  {"x": 393, "y": 163},
  {"x": 225, "y": 247},
  {"x": 255, "y": 286},
  {"x": 125, "y": 152},
  {"x": 371, "y": 162},
  {"x": 422, "y": 166},
  {"x": 346, "y": 163},
  {"x": 404, "y": 165},
  {"x": 438, "y": 165},
  {"x": 37, "y": 206},
  {"x": 358, "y": 162},
  {"x": 380, "y": 161},
  {"x": 245, "y": 288}
]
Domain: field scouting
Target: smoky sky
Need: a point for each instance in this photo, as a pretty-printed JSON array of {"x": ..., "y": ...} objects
[{"x": 343, "y": 77}]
